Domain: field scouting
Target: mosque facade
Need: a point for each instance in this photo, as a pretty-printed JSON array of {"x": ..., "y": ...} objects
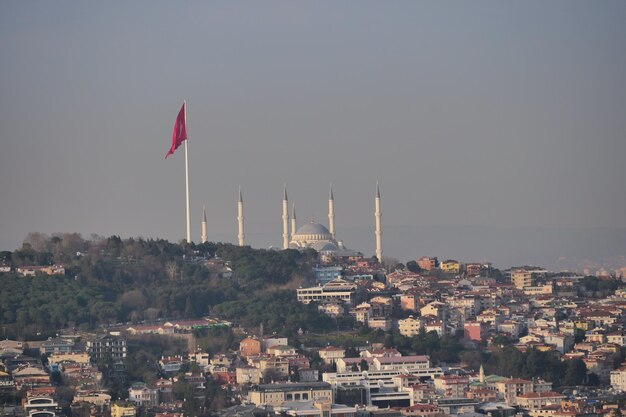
[{"x": 310, "y": 235}]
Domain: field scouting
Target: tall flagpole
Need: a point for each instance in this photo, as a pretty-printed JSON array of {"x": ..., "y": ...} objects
[{"x": 187, "y": 177}]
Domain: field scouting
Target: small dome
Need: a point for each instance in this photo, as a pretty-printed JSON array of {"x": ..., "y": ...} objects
[{"x": 325, "y": 246}]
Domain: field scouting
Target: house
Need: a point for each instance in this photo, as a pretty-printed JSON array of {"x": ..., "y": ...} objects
[
  {"x": 250, "y": 346},
  {"x": 472, "y": 269},
  {"x": 563, "y": 342},
  {"x": 381, "y": 323},
  {"x": 142, "y": 395},
  {"x": 616, "y": 338},
  {"x": 278, "y": 364},
  {"x": 56, "y": 345},
  {"x": 30, "y": 377},
  {"x": 435, "y": 308},
  {"x": 171, "y": 364},
  {"x": 511, "y": 328},
  {"x": 281, "y": 350},
  {"x": 164, "y": 386},
  {"x": 272, "y": 341},
  {"x": 330, "y": 354},
  {"x": 199, "y": 357},
  {"x": 450, "y": 266},
  {"x": 123, "y": 409},
  {"x": 618, "y": 378},
  {"x": 427, "y": 263},
  {"x": 248, "y": 375},
  {"x": 435, "y": 326}
]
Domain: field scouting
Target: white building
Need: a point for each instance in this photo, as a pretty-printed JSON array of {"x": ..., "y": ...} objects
[{"x": 337, "y": 290}]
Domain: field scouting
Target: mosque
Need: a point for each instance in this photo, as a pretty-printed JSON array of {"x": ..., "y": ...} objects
[{"x": 310, "y": 235}]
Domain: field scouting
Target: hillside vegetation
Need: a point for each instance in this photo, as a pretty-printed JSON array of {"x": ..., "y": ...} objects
[{"x": 111, "y": 280}]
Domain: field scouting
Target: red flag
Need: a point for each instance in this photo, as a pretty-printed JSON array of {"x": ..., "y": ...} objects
[{"x": 180, "y": 131}]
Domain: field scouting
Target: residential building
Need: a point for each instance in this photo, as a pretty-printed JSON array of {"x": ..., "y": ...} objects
[
  {"x": 171, "y": 364},
  {"x": 330, "y": 354},
  {"x": 618, "y": 378},
  {"x": 248, "y": 375},
  {"x": 510, "y": 389},
  {"x": 106, "y": 346},
  {"x": 427, "y": 263},
  {"x": 56, "y": 345},
  {"x": 409, "y": 302},
  {"x": 410, "y": 326},
  {"x": 325, "y": 274},
  {"x": 522, "y": 278},
  {"x": 142, "y": 395},
  {"x": 124, "y": 409},
  {"x": 450, "y": 266},
  {"x": 475, "y": 330},
  {"x": 538, "y": 400},
  {"x": 452, "y": 386},
  {"x": 250, "y": 346}
]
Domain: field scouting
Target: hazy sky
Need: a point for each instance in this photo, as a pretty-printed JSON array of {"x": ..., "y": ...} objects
[{"x": 482, "y": 115}]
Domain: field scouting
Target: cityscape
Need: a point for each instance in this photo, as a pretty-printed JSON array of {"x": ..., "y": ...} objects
[{"x": 372, "y": 209}]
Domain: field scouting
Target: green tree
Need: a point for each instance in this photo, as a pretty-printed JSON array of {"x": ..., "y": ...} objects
[{"x": 575, "y": 372}]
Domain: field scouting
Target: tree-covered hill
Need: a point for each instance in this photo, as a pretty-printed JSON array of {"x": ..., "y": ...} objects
[{"x": 111, "y": 280}]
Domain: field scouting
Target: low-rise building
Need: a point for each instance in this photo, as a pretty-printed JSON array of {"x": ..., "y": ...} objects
[
  {"x": 250, "y": 346},
  {"x": 276, "y": 394},
  {"x": 450, "y": 266},
  {"x": 123, "y": 409},
  {"x": 538, "y": 400},
  {"x": 330, "y": 354},
  {"x": 618, "y": 378},
  {"x": 142, "y": 395},
  {"x": 337, "y": 290},
  {"x": 248, "y": 375}
]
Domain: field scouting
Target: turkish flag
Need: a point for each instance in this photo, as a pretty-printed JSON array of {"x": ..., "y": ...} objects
[{"x": 180, "y": 131}]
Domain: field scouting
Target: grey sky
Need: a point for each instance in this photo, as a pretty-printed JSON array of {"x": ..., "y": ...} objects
[{"x": 507, "y": 116}]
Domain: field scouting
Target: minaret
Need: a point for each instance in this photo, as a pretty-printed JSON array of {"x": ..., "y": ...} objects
[
  {"x": 285, "y": 219},
  {"x": 331, "y": 213},
  {"x": 379, "y": 232},
  {"x": 481, "y": 375},
  {"x": 240, "y": 235},
  {"x": 293, "y": 220},
  {"x": 203, "y": 236}
]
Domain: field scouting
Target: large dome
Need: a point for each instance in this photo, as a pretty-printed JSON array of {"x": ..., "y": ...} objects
[
  {"x": 313, "y": 229},
  {"x": 310, "y": 233}
]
